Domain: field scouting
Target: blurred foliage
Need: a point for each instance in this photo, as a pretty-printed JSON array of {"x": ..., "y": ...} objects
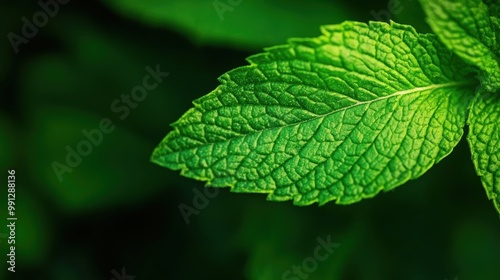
[
  {"x": 103, "y": 174},
  {"x": 5, "y": 58},
  {"x": 116, "y": 210},
  {"x": 6, "y": 141},
  {"x": 34, "y": 236},
  {"x": 409, "y": 12},
  {"x": 69, "y": 84},
  {"x": 238, "y": 23}
]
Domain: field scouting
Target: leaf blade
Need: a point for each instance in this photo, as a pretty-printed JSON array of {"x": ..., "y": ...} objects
[
  {"x": 467, "y": 29},
  {"x": 484, "y": 142},
  {"x": 299, "y": 112}
]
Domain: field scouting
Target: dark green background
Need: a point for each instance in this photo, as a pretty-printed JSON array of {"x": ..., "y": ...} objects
[{"x": 117, "y": 210}]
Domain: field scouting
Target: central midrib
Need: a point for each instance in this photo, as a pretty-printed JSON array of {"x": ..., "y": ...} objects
[{"x": 398, "y": 93}]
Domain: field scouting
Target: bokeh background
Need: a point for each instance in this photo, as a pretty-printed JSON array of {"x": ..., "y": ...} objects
[{"x": 118, "y": 212}]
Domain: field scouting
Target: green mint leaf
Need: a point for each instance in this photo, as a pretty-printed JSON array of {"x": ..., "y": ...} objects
[
  {"x": 465, "y": 27},
  {"x": 360, "y": 109},
  {"x": 494, "y": 10},
  {"x": 484, "y": 141}
]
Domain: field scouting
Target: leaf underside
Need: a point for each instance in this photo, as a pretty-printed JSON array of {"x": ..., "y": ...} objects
[
  {"x": 484, "y": 141},
  {"x": 360, "y": 109}
]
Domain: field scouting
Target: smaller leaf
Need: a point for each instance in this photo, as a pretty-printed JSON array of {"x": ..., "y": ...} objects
[
  {"x": 484, "y": 141},
  {"x": 465, "y": 27}
]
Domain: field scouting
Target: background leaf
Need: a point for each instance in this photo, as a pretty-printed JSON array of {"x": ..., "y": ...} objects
[
  {"x": 226, "y": 22},
  {"x": 409, "y": 12}
]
